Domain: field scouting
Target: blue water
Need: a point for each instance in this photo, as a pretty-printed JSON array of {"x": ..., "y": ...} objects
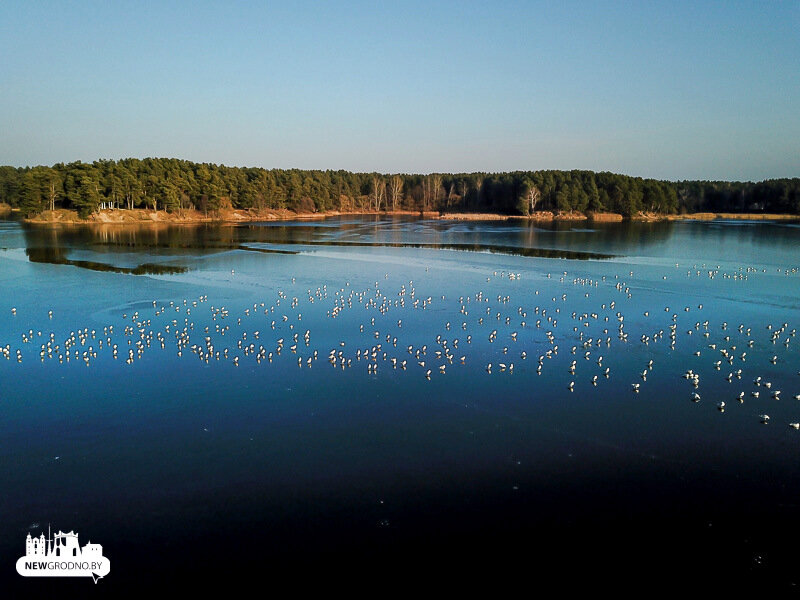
[{"x": 170, "y": 461}]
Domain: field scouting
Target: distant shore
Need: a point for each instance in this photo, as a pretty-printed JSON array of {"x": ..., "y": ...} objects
[
  {"x": 145, "y": 216},
  {"x": 736, "y": 216}
]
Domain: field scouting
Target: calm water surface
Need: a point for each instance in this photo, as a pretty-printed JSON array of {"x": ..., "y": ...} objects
[{"x": 205, "y": 445}]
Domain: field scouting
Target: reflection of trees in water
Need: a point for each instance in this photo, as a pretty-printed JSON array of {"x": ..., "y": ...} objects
[
  {"x": 579, "y": 236},
  {"x": 52, "y": 243},
  {"x": 46, "y": 254},
  {"x": 111, "y": 238},
  {"x": 736, "y": 234},
  {"x": 56, "y": 256},
  {"x": 616, "y": 237}
]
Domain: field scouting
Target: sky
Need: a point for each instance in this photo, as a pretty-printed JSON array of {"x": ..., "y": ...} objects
[{"x": 671, "y": 90}]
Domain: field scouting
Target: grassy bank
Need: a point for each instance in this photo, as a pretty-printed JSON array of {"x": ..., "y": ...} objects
[
  {"x": 142, "y": 216},
  {"x": 708, "y": 216}
]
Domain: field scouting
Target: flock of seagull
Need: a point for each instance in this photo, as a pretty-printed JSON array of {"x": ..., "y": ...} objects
[{"x": 500, "y": 333}]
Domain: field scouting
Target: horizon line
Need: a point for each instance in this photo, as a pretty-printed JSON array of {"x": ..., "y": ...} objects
[{"x": 390, "y": 173}]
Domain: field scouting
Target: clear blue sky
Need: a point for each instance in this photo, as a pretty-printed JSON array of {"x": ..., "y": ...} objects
[{"x": 673, "y": 90}]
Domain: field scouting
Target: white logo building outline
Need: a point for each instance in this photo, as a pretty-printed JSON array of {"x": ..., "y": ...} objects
[{"x": 62, "y": 556}]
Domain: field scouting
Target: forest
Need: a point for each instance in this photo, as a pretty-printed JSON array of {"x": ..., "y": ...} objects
[{"x": 175, "y": 185}]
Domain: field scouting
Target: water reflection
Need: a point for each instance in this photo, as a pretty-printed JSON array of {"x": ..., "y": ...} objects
[
  {"x": 56, "y": 256},
  {"x": 102, "y": 246},
  {"x": 55, "y": 243}
]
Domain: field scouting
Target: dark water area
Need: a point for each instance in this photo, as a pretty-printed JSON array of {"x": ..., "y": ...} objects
[
  {"x": 55, "y": 256},
  {"x": 369, "y": 404}
]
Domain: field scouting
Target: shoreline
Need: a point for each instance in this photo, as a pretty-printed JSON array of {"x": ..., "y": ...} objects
[
  {"x": 141, "y": 216},
  {"x": 735, "y": 217}
]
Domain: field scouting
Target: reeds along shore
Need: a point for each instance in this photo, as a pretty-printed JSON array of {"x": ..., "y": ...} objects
[{"x": 139, "y": 215}]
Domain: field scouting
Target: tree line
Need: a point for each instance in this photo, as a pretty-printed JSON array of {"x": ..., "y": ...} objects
[{"x": 175, "y": 185}]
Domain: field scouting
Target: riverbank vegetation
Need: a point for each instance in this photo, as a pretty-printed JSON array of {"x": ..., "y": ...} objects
[{"x": 183, "y": 187}]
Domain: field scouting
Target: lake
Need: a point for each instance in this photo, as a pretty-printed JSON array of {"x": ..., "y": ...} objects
[{"x": 313, "y": 402}]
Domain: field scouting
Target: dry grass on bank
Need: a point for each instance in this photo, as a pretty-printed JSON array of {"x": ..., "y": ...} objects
[{"x": 231, "y": 215}]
